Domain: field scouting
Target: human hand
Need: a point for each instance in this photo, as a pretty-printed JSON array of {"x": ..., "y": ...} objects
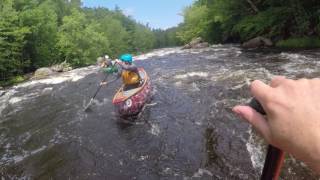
[
  {"x": 118, "y": 61},
  {"x": 293, "y": 116},
  {"x": 102, "y": 64}
]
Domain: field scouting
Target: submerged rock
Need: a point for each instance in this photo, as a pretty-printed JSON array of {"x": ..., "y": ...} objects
[
  {"x": 47, "y": 71},
  {"x": 258, "y": 42},
  {"x": 201, "y": 45}
]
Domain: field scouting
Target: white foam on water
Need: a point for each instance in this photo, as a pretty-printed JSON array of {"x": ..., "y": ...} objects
[
  {"x": 4, "y": 100},
  {"x": 8, "y": 159},
  {"x": 256, "y": 152},
  {"x": 195, "y": 87},
  {"x": 155, "y": 129},
  {"x": 166, "y": 171},
  {"x": 192, "y": 74},
  {"x": 244, "y": 75},
  {"x": 74, "y": 75},
  {"x": 47, "y": 91},
  {"x": 299, "y": 64},
  {"x": 57, "y": 137},
  {"x": 25, "y": 137},
  {"x": 175, "y": 50},
  {"x": 217, "y": 45},
  {"x": 20, "y": 158},
  {"x": 179, "y": 50},
  {"x": 96, "y": 102},
  {"x": 293, "y": 56},
  {"x": 178, "y": 83},
  {"x": 202, "y": 172},
  {"x": 240, "y": 85},
  {"x": 142, "y": 158},
  {"x": 15, "y": 100},
  {"x": 159, "y": 53}
]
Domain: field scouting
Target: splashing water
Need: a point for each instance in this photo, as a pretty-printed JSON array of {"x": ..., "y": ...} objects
[{"x": 189, "y": 132}]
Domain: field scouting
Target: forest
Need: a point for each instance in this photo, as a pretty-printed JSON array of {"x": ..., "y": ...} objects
[
  {"x": 38, "y": 33},
  {"x": 289, "y": 23}
]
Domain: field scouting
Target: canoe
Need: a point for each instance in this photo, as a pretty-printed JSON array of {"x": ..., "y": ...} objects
[{"x": 130, "y": 102}]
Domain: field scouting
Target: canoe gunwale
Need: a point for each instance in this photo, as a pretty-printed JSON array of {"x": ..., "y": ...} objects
[{"x": 120, "y": 98}]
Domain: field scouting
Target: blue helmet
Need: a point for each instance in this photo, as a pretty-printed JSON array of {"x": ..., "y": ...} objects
[{"x": 126, "y": 58}]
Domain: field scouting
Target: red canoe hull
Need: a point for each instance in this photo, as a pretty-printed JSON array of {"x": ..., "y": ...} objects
[{"x": 132, "y": 105}]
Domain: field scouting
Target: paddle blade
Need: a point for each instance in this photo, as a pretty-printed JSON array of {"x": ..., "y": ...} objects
[{"x": 87, "y": 108}]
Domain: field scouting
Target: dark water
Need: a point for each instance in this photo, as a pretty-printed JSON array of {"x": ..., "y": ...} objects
[{"x": 187, "y": 132}]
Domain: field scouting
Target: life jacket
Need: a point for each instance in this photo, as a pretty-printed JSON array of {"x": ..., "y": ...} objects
[{"x": 129, "y": 77}]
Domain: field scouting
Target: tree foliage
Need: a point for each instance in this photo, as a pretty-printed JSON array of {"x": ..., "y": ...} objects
[
  {"x": 196, "y": 23},
  {"x": 239, "y": 20},
  {"x": 167, "y": 38},
  {"x": 37, "y": 33},
  {"x": 78, "y": 41},
  {"x": 40, "y": 42},
  {"x": 12, "y": 40}
]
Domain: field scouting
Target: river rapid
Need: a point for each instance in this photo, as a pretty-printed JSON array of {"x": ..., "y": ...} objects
[{"x": 187, "y": 131}]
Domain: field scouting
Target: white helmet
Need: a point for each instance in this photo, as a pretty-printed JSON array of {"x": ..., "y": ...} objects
[{"x": 106, "y": 57}]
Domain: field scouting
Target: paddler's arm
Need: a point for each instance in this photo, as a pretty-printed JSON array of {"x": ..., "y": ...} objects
[{"x": 111, "y": 81}]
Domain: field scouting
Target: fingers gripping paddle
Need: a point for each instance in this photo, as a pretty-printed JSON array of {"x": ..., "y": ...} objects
[
  {"x": 275, "y": 157},
  {"x": 95, "y": 94}
]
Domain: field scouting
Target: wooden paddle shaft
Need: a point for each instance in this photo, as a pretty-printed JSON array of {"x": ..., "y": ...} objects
[
  {"x": 95, "y": 94},
  {"x": 275, "y": 157}
]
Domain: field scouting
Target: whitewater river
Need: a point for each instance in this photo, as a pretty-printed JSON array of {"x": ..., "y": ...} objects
[{"x": 186, "y": 132}]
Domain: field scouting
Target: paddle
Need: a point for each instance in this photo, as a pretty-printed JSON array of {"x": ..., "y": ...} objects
[
  {"x": 95, "y": 94},
  {"x": 275, "y": 157}
]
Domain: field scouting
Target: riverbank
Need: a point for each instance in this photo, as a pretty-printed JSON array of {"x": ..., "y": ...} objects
[
  {"x": 299, "y": 43},
  {"x": 16, "y": 80},
  {"x": 13, "y": 81},
  {"x": 286, "y": 45}
]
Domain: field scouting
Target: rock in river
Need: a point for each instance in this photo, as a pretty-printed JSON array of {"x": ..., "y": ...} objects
[
  {"x": 42, "y": 73},
  {"x": 257, "y": 42}
]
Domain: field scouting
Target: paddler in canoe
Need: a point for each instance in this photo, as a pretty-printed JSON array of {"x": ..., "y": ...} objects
[
  {"x": 136, "y": 88},
  {"x": 125, "y": 69},
  {"x": 107, "y": 67}
]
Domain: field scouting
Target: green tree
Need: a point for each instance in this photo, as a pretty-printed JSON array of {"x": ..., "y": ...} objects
[
  {"x": 79, "y": 42},
  {"x": 12, "y": 40},
  {"x": 240, "y": 20},
  {"x": 37, "y": 33},
  {"x": 166, "y": 38},
  {"x": 142, "y": 39},
  {"x": 40, "y": 46},
  {"x": 196, "y": 21},
  {"x": 117, "y": 36}
]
